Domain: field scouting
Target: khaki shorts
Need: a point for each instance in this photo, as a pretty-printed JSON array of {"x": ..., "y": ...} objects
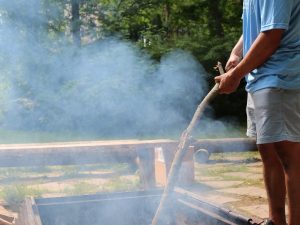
[{"x": 273, "y": 115}]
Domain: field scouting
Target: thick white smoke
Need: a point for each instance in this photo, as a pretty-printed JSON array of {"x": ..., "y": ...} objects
[{"x": 109, "y": 87}]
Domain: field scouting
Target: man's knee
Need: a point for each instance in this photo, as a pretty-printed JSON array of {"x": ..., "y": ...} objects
[
  {"x": 269, "y": 155},
  {"x": 289, "y": 154}
]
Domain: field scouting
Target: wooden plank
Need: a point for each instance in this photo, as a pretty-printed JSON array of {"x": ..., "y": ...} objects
[
  {"x": 86, "y": 144},
  {"x": 74, "y": 153},
  {"x": 88, "y": 152}
]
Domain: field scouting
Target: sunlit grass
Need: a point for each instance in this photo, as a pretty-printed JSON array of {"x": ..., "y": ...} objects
[
  {"x": 246, "y": 155},
  {"x": 121, "y": 184},
  {"x": 18, "y": 183},
  {"x": 220, "y": 170},
  {"x": 81, "y": 188}
]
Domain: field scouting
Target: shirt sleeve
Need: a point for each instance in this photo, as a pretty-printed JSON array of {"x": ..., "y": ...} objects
[{"x": 275, "y": 14}]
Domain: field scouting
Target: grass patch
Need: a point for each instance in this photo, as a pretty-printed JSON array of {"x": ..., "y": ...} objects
[
  {"x": 246, "y": 156},
  {"x": 121, "y": 184},
  {"x": 17, "y": 171},
  {"x": 16, "y": 175},
  {"x": 70, "y": 172},
  {"x": 117, "y": 167},
  {"x": 112, "y": 185},
  {"x": 77, "y": 171},
  {"x": 14, "y": 195},
  {"x": 82, "y": 188},
  {"x": 219, "y": 171},
  {"x": 17, "y": 182}
]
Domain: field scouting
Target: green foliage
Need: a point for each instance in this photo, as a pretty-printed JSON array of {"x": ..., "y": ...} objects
[{"x": 208, "y": 29}]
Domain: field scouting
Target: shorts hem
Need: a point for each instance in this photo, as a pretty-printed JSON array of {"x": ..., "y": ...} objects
[
  {"x": 267, "y": 140},
  {"x": 251, "y": 134}
]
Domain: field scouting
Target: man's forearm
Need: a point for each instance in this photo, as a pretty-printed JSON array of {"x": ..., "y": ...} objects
[
  {"x": 236, "y": 55},
  {"x": 238, "y": 48},
  {"x": 261, "y": 50}
]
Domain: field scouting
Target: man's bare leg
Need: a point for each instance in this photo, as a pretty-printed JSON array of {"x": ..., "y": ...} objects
[
  {"x": 275, "y": 183},
  {"x": 289, "y": 154}
]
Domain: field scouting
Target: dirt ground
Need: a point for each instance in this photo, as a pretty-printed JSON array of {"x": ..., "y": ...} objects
[{"x": 233, "y": 181}]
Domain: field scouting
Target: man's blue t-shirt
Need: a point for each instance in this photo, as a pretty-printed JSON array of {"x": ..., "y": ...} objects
[{"x": 282, "y": 70}]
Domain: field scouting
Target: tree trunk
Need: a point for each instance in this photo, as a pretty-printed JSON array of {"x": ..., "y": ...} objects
[
  {"x": 75, "y": 22},
  {"x": 215, "y": 16},
  {"x": 166, "y": 16}
]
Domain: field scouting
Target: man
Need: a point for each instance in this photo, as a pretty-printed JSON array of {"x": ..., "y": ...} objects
[{"x": 268, "y": 55}]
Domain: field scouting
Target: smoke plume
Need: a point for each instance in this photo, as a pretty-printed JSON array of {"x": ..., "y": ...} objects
[{"x": 109, "y": 87}]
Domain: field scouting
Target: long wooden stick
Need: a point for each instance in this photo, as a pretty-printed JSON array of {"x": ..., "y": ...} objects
[{"x": 180, "y": 154}]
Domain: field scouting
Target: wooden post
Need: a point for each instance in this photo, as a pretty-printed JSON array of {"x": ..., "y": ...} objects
[
  {"x": 163, "y": 162},
  {"x": 29, "y": 213},
  {"x": 145, "y": 158}
]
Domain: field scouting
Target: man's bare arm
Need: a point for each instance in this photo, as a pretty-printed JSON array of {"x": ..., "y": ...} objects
[
  {"x": 236, "y": 55},
  {"x": 261, "y": 50}
]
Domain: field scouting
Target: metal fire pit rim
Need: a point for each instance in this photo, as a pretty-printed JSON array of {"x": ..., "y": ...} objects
[
  {"x": 101, "y": 196},
  {"x": 178, "y": 194}
]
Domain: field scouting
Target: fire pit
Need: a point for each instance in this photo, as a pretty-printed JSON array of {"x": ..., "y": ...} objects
[{"x": 129, "y": 208}]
